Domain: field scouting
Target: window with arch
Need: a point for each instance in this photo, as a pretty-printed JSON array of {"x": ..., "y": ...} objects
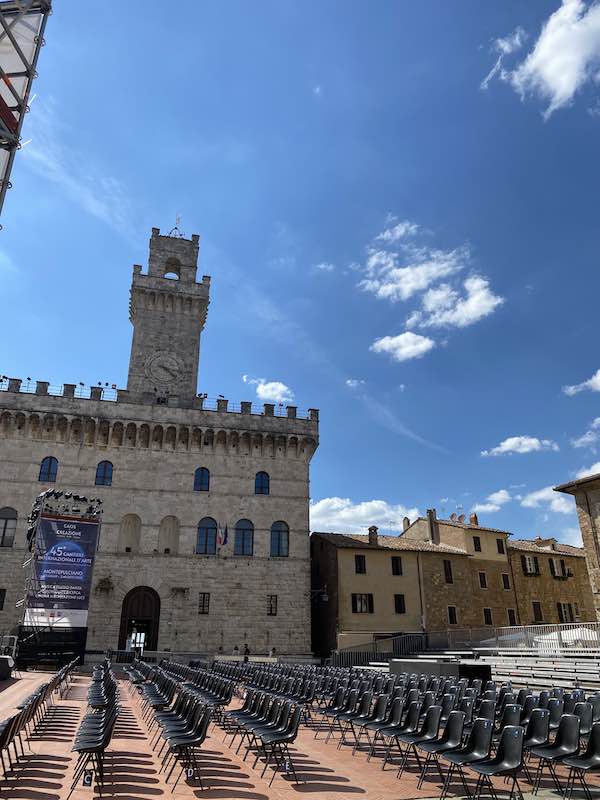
[
  {"x": 104, "y": 473},
  {"x": 261, "y": 483},
  {"x": 48, "y": 469},
  {"x": 244, "y": 538},
  {"x": 280, "y": 539},
  {"x": 206, "y": 543},
  {"x": 8, "y": 526},
  {"x": 201, "y": 480}
]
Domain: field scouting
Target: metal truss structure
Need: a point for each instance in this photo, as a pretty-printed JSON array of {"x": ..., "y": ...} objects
[{"x": 22, "y": 24}]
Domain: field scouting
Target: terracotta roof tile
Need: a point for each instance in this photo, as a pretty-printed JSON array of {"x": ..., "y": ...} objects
[
  {"x": 388, "y": 543},
  {"x": 529, "y": 545}
]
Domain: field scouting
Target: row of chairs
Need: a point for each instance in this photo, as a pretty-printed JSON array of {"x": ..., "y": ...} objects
[
  {"x": 97, "y": 726},
  {"x": 268, "y": 723},
  {"x": 30, "y": 716}
]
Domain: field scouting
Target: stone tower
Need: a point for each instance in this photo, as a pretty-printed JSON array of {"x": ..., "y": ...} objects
[{"x": 168, "y": 311}]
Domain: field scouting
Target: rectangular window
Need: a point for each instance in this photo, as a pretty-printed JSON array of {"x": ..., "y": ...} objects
[
  {"x": 477, "y": 544},
  {"x": 448, "y": 571},
  {"x": 280, "y": 540},
  {"x": 537, "y": 611},
  {"x": 271, "y": 605},
  {"x": 362, "y": 603},
  {"x": 487, "y": 616},
  {"x": 530, "y": 565},
  {"x": 452, "y": 617},
  {"x": 512, "y": 616},
  {"x": 505, "y": 580},
  {"x": 500, "y": 546},
  {"x": 396, "y": 565},
  {"x": 565, "y": 612},
  {"x": 576, "y": 610},
  {"x": 558, "y": 568},
  {"x": 203, "y": 602},
  {"x": 2, "y": 598},
  {"x": 399, "y": 604},
  {"x": 483, "y": 580},
  {"x": 360, "y": 565},
  {"x": 8, "y": 526}
]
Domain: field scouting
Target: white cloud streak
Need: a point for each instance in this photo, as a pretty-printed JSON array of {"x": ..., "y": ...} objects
[
  {"x": 549, "y": 500},
  {"x": 342, "y": 515},
  {"x": 590, "y": 437},
  {"x": 403, "y": 347},
  {"x": 354, "y": 383},
  {"x": 504, "y": 46},
  {"x": 444, "y": 307},
  {"x": 54, "y": 156},
  {"x": 521, "y": 444},
  {"x": 585, "y": 472},
  {"x": 270, "y": 391},
  {"x": 325, "y": 266},
  {"x": 494, "y": 502},
  {"x": 565, "y": 57},
  {"x": 592, "y": 384}
]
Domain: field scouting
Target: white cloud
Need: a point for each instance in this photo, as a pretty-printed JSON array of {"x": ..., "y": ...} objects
[
  {"x": 500, "y": 497},
  {"x": 590, "y": 437},
  {"x": 494, "y": 502},
  {"x": 341, "y": 515},
  {"x": 270, "y": 391},
  {"x": 504, "y": 46},
  {"x": 53, "y": 154},
  {"x": 565, "y": 57},
  {"x": 317, "y": 90},
  {"x": 442, "y": 306},
  {"x": 548, "y": 499},
  {"x": 521, "y": 444},
  {"x": 388, "y": 280},
  {"x": 585, "y": 472},
  {"x": 354, "y": 383},
  {"x": 325, "y": 266},
  {"x": 593, "y": 384},
  {"x": 485, "y": 508},
  {"x": 400, "y": 230},
  {"x": 403, "y": 347},
  {"x": 571, "y": 536}
]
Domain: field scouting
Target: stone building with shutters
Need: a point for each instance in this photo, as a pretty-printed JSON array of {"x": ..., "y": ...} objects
[
  {"x": 551, "y": 580},
  {"x": 441, "y": 575},
  {"x": 205, "y": 534}
]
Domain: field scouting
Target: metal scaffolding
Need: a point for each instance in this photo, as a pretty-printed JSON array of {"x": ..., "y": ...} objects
[{"x": 22, "y": 24}]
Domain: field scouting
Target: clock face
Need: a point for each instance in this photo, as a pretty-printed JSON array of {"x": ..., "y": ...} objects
[{"x": 164, "y": 368}]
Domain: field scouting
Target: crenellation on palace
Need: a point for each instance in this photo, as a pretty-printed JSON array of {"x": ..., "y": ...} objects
[{"x": 190, "y": 563}]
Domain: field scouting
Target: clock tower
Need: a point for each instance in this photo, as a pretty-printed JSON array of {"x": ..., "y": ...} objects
[{"x": 167, "y": 309}]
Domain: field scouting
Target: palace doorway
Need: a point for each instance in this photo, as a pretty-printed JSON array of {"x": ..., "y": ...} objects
[{"x": 140, "y": 616}]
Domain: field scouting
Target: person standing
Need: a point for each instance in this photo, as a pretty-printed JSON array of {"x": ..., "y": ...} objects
[{"x": 246, "y": 652}]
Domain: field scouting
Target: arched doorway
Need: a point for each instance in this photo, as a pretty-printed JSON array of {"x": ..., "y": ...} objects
[{"x": 139, "y": 619}]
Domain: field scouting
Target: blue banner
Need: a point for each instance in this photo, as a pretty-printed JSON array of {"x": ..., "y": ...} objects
[{"x": 65, "y": 549}]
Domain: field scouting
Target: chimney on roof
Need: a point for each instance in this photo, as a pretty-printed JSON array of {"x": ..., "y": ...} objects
[
  {"x": 434, "y": 528},
  {"x": 453, "y": 516},
  {"x": 373, "y": 534},
  {"x": 461, "y": 518},
  {"x": 405, "y": 524},
  {"x": 473, "y": 519}
]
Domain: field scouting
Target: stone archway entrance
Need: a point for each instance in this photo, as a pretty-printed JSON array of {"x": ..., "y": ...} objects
[{"x": 140, "y": 616}]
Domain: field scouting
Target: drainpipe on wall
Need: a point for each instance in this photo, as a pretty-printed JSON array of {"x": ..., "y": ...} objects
[{"x": 421, "y": 596}]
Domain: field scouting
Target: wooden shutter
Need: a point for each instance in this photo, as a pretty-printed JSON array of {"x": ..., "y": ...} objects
[
  {"x": 370, "y": 601},
  {"x": 537, "y": 565},
  {"x": 561, "y": 617},
  {"x": 354, "y": 604},
  {"x": 552, "y": 568},
  {"x": 524, "y": 565}
]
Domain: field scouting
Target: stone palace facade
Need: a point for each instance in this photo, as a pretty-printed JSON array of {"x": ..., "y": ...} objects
[{"x": 177, "y": 475}]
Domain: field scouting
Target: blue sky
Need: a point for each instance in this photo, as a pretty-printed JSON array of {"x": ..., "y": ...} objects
[{"x": 398, "y": 206}]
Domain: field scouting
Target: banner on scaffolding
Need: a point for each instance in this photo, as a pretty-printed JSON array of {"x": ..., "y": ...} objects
[{"x": 63, "y": 564}]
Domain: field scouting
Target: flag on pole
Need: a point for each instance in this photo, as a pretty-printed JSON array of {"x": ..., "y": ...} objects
[{"x": 223, "y": 535}]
